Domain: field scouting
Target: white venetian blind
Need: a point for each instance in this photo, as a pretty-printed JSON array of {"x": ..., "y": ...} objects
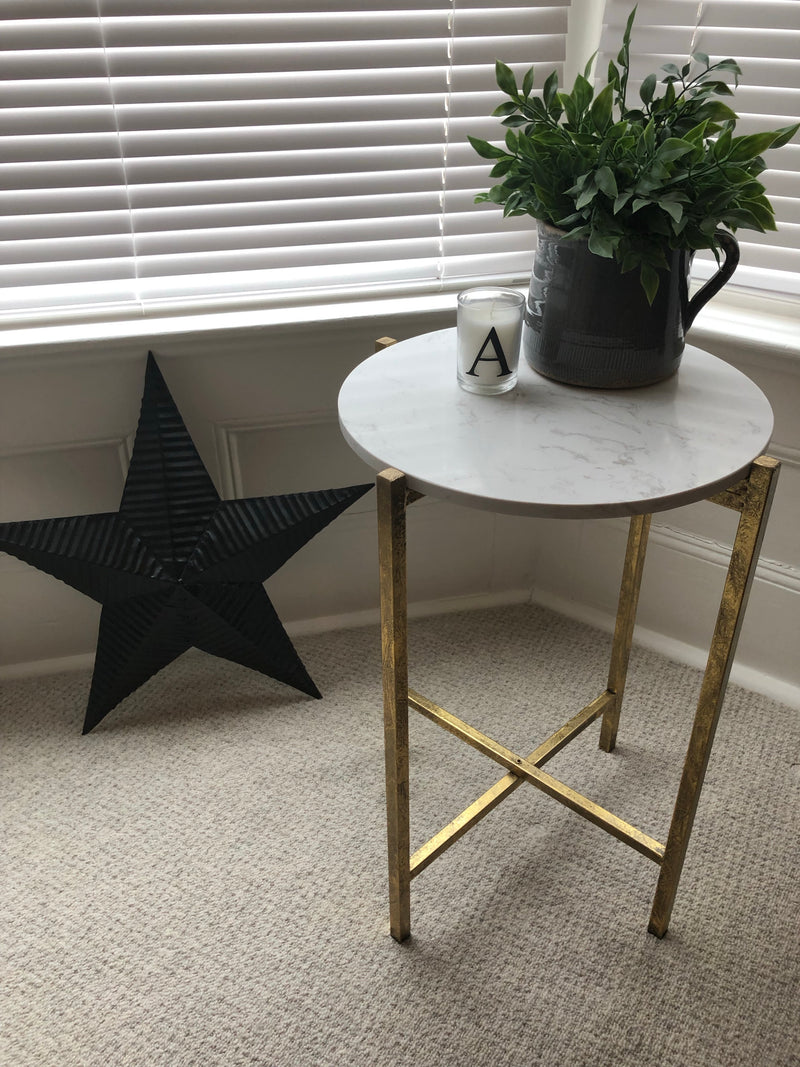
[
  {"x": 764, "y": 37},
  {"x": 168, "y": 152}
]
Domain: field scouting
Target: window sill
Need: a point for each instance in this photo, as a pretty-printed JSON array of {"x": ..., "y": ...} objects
[
  {"x": 747, "y": 320},
  {"x": 30, "y": 339},
  {"x": 751, "y": 322}
]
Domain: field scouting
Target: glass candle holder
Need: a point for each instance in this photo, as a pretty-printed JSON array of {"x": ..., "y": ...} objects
[{"x": 489, "y": 328}]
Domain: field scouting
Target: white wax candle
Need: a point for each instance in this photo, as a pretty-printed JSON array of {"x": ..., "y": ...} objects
[{"x": 489, "y": 330}]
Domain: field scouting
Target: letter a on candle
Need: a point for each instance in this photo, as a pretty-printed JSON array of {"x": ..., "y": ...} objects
[{"x": 498, "y": 357}]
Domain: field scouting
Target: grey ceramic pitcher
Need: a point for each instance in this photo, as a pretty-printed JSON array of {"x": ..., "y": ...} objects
[{"x": 588, "y": 324}]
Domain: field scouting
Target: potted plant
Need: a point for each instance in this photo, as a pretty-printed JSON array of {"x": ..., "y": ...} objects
[{"x": 625, "y": 193}]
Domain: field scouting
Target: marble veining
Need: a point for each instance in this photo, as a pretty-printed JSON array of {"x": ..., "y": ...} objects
[{"x": 552, "y": 449}]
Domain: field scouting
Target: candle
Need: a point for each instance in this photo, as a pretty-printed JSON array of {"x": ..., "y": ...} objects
[{"x": 489, "y": 331}]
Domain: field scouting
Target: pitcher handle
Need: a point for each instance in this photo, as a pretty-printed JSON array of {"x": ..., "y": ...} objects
[{"x": 730, "y": 247}]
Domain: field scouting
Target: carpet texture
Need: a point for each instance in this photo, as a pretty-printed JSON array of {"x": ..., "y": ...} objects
[{"x": 201, "y": 881}]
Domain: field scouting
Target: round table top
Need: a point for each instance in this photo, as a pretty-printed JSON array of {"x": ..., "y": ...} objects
[{"x": 550, "y": 449}]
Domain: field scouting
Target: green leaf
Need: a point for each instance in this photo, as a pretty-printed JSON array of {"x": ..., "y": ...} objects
[
  {"x": 582, "y": 93},
  {"x": 741, "y": 217},
  {"x": 569, "y": 220},
  {"x": 486, "y": 150},
  {"x": 617, "y": 131},
  {"x": 568, "y": 104},
  {"x": 629, "y": 261},
  {"x": 550, "y": 89},
  {"x": 507, "y": 108},
  {"x": 696, "y": 134},
  {"x": 584, "y": 140},
  {"x": 675, "y": 211},
  {"x": 626, "y": 37},
  {"x": 720, "y": 88},
  {"x": 604, "y": 245},
  {"x": 753, "y": 216},
  {"x": 756, "y": 166},
  {"x": 729, "y": 65},
  {"x": 601, "y": 109},
  {"x": 517, "y": 181},
  {"x": 722, "y": 145},
  {"x": 743, "y": 148},
  {"x": 647, "y": 88},
  {"x": 649, "y": 279},
  {"x": 621, "y": 201},
  {"x": 673, "y": 148},
  {"x": 647, "y": 184},
  {"x": 762, "y": 209},
  {"x": 506, "y": 79},
  {"x": 606, "y": 182},
  {"x": 577, "y": 233},
  {"x": 701, "y": 57},
  {"x": 717, "y": 111},
  {"x": 536, "y": 110},
  {"x": 527, "y": 83},
  {"x": 499, "y": 170},
  {"x": 586, "y": 197},
  {"x": 784, "y": 135}
]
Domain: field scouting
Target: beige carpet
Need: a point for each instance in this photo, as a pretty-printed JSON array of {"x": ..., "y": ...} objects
[{"x": 201, "y": 881}]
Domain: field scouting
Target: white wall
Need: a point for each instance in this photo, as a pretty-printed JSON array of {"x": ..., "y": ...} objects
[{"x": 260, "y": 403}]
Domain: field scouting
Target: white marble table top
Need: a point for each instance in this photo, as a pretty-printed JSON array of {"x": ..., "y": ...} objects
[{"x": 550, "y": 449}]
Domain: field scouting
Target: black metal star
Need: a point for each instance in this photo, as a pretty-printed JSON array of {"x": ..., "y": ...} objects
[{"x": 177, "y": 567}]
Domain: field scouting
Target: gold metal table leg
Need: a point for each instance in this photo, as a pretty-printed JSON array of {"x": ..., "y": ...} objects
[
  {"x": 752, "y": 497},
  {"x": 391, "y": 490},
  {"x": 626, "y": 620},
  {"x": 754, "y": 504}
]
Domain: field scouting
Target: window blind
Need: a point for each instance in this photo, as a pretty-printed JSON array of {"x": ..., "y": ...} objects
[
  {"x": 764, "y": 37},
  {"x": 162, "y": 154}
]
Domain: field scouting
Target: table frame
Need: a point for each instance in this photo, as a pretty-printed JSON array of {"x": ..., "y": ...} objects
[{"x": 752, "y": 498}]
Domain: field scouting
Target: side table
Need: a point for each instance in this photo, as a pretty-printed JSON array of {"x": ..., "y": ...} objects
[{"x": 547, "y": 449}]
